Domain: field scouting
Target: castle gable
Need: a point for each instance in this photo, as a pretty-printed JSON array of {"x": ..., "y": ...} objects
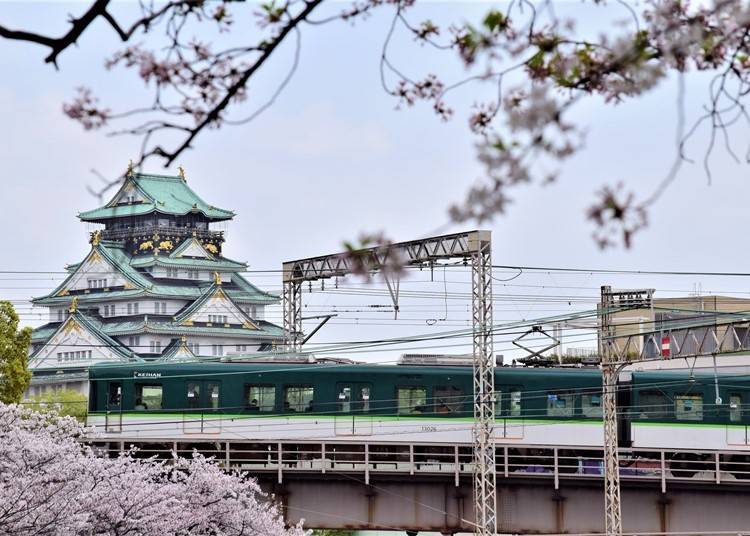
[{"x": 77, "y": 342}]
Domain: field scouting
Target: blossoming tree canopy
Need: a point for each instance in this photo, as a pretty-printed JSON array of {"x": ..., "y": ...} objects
[
  {"x": 536, "y": 62},
  {"x": 52, "y": 484}
]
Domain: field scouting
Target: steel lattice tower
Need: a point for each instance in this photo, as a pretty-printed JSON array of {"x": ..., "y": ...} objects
[{"x": 485, "y": 485}]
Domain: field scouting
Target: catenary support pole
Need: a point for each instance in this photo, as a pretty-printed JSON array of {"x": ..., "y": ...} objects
[
  {"x": 612, "y": 509},
  {"x": 292, "y": 310},
  {"x": 485, "y": 502}
]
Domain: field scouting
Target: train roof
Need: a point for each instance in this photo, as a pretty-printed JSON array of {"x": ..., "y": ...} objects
[
  {"x": 651, "y": 376},
  {"x": 104, "y": 371}
]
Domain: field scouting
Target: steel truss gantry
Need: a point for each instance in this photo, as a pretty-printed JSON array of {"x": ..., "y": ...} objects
[
  {"x": 711, "y": 333},
  {"x": 472, "y": 246}
]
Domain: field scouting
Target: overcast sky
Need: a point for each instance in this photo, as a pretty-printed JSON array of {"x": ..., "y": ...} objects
[{"x": 333, "y": 158}]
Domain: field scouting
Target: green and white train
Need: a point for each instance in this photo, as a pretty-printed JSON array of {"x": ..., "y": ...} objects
[{"x": 382, "y": 404}]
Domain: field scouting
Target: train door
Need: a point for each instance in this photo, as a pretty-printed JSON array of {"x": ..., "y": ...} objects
[
  {"x": 202, "y": 407},
  {"x": 113, "y": 414},
  {"x": 737, "y": 429},
  {"x": 353, "y": 408},
  {"x": 508, "y": 415}
]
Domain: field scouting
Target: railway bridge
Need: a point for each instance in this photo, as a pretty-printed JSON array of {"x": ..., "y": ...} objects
[{"x": 428, "y": 487}]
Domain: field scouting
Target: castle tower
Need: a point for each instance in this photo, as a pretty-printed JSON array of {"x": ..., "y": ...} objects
[{"x": 154, "y": 286}]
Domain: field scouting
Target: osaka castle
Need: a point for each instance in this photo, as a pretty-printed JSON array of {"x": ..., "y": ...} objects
[{"x": 154, "y": 286}]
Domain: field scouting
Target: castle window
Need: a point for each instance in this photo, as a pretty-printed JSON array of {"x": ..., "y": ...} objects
[
  {"x": 60, "y": 314},
  {"x": 135, "y": 308},
  {"x": 155, "y": 347},
  {"x": 217, "y": 349},
  {"x": 134, "y": 341},
  {"x": 218, "y": 319},
  {"x": 130, "y": 308}
]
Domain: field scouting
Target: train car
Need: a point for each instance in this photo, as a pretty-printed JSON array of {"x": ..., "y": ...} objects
[
  {"x": 702, "y": 411},
  {"x": 396, "y": 403},
  {"x": 279, "y": 401}
]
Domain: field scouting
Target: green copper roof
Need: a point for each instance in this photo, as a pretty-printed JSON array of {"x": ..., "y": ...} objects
[
  {"x": 177, "y": 350},
  {"x": 42, "y": 333},
  {"x": 113, "y": 253},
  {"x": 161, "y": 193},
  {"x": 218, "y": 263},
  {"x": 248, "y": 289},
  {"x": 239, "y": 289},
  {"x": 159, "y": 325}
]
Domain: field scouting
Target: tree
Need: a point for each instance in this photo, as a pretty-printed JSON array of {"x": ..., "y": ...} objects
[
  {"x": 65, "y": 402},
  {"x": 14, "y": 354},
  {"x": 540, "y": 66},
  {"x": 50, "y": 484}
]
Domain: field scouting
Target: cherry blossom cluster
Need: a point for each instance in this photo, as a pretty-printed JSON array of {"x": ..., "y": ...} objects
[
  {"x": 85, "y": 109},
  {"x": 53, "y": 484},
  {"x": 539, "y": 67}
]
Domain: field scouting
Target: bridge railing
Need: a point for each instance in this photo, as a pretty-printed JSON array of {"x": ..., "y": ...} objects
[{"x": 363, "y": 460}]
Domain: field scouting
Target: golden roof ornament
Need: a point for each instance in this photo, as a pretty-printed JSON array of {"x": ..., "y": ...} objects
[
  {"x": 181, "y": 173},
  {"x": 73, "y": 305},
  {"x": 96, "y": 237},
  {"x": 217, "y": 278},
  {"x": 131, "y": 167}
]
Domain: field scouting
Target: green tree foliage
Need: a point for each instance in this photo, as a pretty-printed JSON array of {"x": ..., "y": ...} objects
[
  {"x": 14, "y": 351},
  {"x": 66, "y": 402}
]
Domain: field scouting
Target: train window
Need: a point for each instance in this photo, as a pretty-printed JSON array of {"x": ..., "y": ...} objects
[
  {"x": 411, "y": 399},
  {"x": 193, "y": 395},
  {"x": 345, "y": 399},
  {"x": 448, "y": 399},
  {"x": 560, "y": 404},
  {"x": 148, "y": 396},
  {"x": 515, "y": 403},
  {"x": 688, "y": 407},
  {"x": 591, "y": 405},
  {"x": 114, "y": 394},
  {"x": 735, "y": 407},
  {"x": 298, "y": 398},
  {"x": 260, "y": 397},
  {"x": 353, "y": 397},
  {"x": 213, "y": 391},
  {"x": 653, "y": 405}
]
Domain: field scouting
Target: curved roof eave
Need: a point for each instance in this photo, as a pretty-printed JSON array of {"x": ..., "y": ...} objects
[{"x": 228, "y": 215}]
